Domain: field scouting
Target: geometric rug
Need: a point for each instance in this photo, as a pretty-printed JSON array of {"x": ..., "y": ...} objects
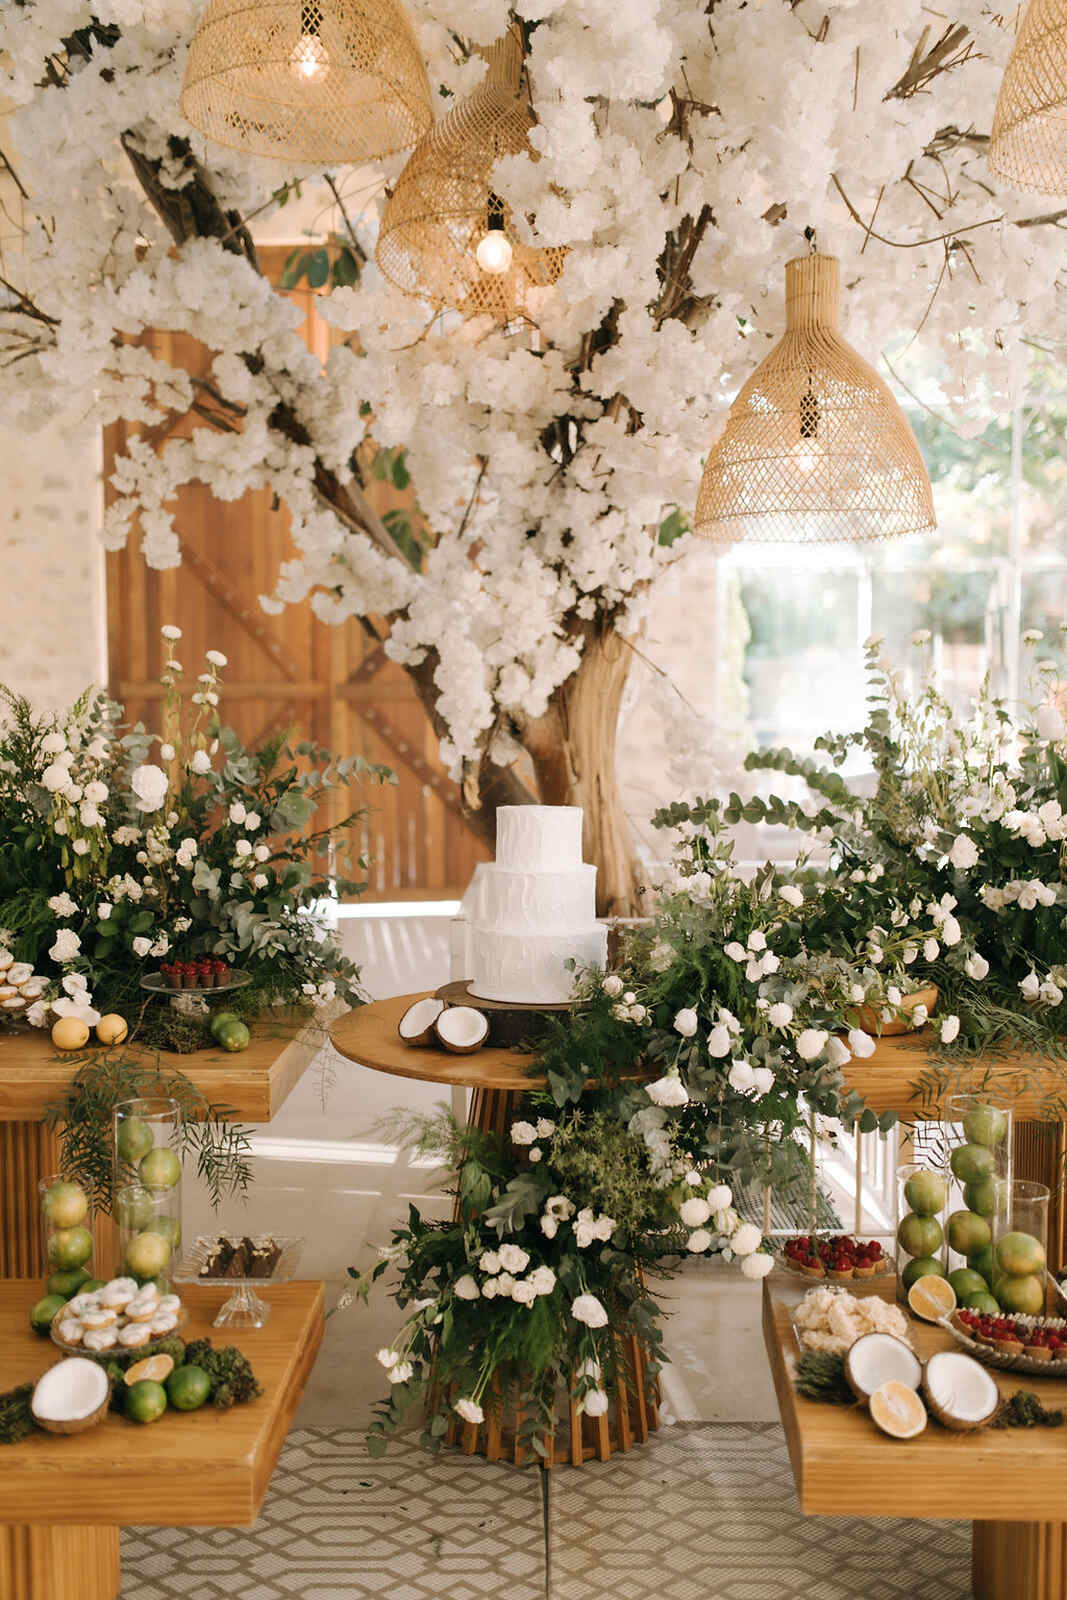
[{"x": 703, "y": 1512}]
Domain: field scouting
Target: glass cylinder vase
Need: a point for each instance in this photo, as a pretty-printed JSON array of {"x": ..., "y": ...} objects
[
  {"x": 979, "y": 1162},
  {"x": 1020, "y": 1249},
  {"x": 922, "y": 1202},
  {"x": 147, "y": 1187},
  {"x": 67, "y": 1234}
]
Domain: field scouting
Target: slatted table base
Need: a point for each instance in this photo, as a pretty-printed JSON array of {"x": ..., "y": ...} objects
[
  {"x": 1019, "y": 1560},
  {"x": 633, "y": 1412},
  {"x": 59, "y": 1563}
]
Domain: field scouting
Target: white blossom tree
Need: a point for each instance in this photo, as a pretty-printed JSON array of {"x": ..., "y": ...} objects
[{"x": 682, "y": 152}]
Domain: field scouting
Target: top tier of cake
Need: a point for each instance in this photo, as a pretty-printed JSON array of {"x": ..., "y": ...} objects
[{"x": 539, "y": 838}]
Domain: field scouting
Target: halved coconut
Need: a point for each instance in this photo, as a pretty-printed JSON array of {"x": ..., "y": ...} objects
[
  {"x": 71, "y": 1396},
  {"x": 897, "y": 1410},
  {"x": 961, "y": 1393},
  {"x": 416, "y": 1025},
  {"x": 462, "y": 1030},
  {"x": 877, "y": 1358}
]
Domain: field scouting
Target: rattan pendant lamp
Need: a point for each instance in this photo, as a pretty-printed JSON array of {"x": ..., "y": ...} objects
[
  {"x": 815, "y": 447},
  {"x": 445, "y": 236},
  {"x": 316, "y": 81},
  {"x": 1028, "y": 146}
]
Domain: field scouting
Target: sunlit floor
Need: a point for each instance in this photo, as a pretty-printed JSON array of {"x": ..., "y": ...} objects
[{"x": 701, "y": 1513}]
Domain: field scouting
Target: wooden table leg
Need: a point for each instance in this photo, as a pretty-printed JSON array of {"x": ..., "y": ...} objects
[
  {"x": 28, "y": 1152},
  {"x": 59, "y": 1563},
  {"x": 1019, "y": 1560}
]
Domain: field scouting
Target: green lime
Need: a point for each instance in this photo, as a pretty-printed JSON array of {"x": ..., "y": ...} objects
[
  {"x": 1020, "y": 1255},
  {"x": 65, "y": 1205},
  {"x": 147, "y": 1254},
  {"x": 919, "y": 1236},
  {"x": 69, "y": 1247},
  {"x": 966, "y": 1281},
  {"x": 926, "y": 1193},
  {"x": 220, "y": 1019},
  {"x": 134, "y": 1139},
  {"x": 68, "y": 1283},
  {"x": 967, "y": 1232},
  {"x": 91, "y": 1285},
  {"x": 146, "y": 1400},
  {"x": 971, "y": 1163},
  {"x": 985, "y": 1125},
  {"x": 921, "y": 1267},
  {"x": 160, "y": 1168},
  {"x": 982, "y": 1197},
  {"x": 234, "y": 1036},
  {"x": 982, "y": 1302},
  {"x": 1025, "y": 1295},
  {"x": 982, "y": 1261},
  {"x": 43, "y": 1312},
  {"x": 134, "y": 1208},
  {"x": 188, "y": 1388}
]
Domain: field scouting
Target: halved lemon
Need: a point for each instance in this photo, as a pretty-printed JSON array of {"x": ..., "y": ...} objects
[
  {"x": 897, "y": 1410},
  {"x": 932, "y": 1298},
  {"x": 156, "y": 1368}
]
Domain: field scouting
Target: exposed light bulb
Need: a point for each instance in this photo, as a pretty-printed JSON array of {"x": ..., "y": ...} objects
[
  {"x": 308, "y": 58},
  {"x": 494, "y": 252}
]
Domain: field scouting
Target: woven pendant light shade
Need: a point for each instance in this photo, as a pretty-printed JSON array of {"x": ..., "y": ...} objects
[
  {"x": 316, "y": 81},
  {"x": 443, "y": 207},
  {"x": 1028, "y": 146},
  {"x": 815, "y": 447}
]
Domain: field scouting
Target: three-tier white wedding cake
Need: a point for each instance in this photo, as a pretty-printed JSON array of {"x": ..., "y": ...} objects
[{"x": 534, "y": 909}]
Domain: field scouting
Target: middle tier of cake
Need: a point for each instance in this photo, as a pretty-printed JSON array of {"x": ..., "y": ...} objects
[{"x": 508, "y": 899}]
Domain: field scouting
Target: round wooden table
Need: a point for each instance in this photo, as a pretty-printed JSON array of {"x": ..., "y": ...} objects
[{"x": 498, "y": 1079}]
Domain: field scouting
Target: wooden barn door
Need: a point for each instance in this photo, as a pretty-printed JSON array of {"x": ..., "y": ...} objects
[{"x": 333, "y": 684}]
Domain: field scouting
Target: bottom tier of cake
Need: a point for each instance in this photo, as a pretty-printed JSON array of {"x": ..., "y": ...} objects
[{"x": 531, "y": 968}]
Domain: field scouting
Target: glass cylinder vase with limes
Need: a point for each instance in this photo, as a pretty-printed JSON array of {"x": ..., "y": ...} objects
[
  {"x": 922, "y": 1196},
  {"x": 147, "y": 1187},
  {"x": 979, "y": 1172}
]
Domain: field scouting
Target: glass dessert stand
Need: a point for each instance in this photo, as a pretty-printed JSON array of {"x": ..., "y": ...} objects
[{"x": 243, "y": 1265}]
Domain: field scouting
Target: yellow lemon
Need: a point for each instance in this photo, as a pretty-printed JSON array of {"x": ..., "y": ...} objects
[
  {"x": 70, "y": 1033},
  {"x": 897, "y": 1410},
  {"x": 112, "y": 1029},
  {"x": 932, "y": 1298}
]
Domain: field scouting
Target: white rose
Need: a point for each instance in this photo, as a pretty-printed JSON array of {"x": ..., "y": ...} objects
[
  {"x": 53, "y": 743},
  {"x": 747, "y": 1238},
  {"x": 837, "y": 1051},
  {"x": 166, "y": 752},
  {"x": 489, "y": 1261},
  {"x": 524, "y": 1293},
  {"x": 964, "y": 852},
  {"x": 388, "y": 1358},
  {"x": 243, "y": 847},
  {"x": 685, "y": 1023},
  {"x": 951, "y": 932},
  {"x": 252, "y": 821},
  {"x": 791, "y": 894},
  {"x": 543, "y": 1280},
  {"x": 699, "y": 1241},
  {"x": 66, "y": 947},
  {"x": 549, "y": 1227},
  {"x": 534, "y": 1154},
  {"x": 668, "y": 1091},
  {"x": 55, "y": 777},
  {"x": 141, "y": 946},
  {"x": 861, "y": 1044},
  {"x": 588, "y": 1310},
  {"x": 545, "y": 1128},
  {"x": 62, "y": 905},
  {"x": 780, "y": 1014},
  {"x": 1050, "y": 724},
  {"x": 1030, "y": 986},
  {"x": 465, "y": 1288},
  {"x": 694, "y": 1212},
  {"x": 720, "y": 1197},
  {"x": 149, "y": 784},
  {"x": 262, "y": 852},
  {"x": 469, "y": 1410},
  {"x": 757, "y": 940},
  {"x": 523, "y": 1133},
  {"x": 919, "y": 1016},
  {"x": 811, "y": 1043},
  {"x": 612, "y": 986},
  {"x": 719, "y": 1040},
  {"x": 757, "y": 1265},
  {"x": 513, "y": 1258},
  {"x": 741, "y": 1078},
  {"x": 735, "y": 951},
  {"x": 976, "y": 966},
  {"x": 169, "y": 631},
  {"x": 931, "y": 949},
  {"x": 594, "y": 1403},
  {"x": 96, "y": 792},
  {"x": 216, "y": 658},
  {"x": 950, "y": 1027},
  {"x": 260, "y": 880},
  {"x": 201, "y": 762},
  {"x": 401, "y": 1372},
  {"x": 237, "y": 812},
  {"x": 762, "y": 1080}
]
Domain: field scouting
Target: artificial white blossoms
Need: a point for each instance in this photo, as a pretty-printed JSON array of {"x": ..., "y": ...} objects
[
  {"x": 149, "y": 784},
  {"x": 668, "y": 1091},
  {"x": 586, "y": 1308}
]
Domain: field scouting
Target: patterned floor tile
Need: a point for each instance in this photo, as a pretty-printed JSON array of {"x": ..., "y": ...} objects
[
  {"x": 709, "y": 1513},
  {"x": 339, "y": 1526}
]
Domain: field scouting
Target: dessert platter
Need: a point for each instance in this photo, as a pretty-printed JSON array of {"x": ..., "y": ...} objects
[
  {"x": 1014, "y": 1344},
  {"x": 835, "y": 1256},
  {"x": 123, "y": 1315},
  {"x": 244, "y": 1265},
  {"x": 204, "y": 976}
]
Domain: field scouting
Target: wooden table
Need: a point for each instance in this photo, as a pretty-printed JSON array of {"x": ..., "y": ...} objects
[
  {"x": 252, "y": 1084},
  {"x": 1008, "y": 1482},
  {"x": 62, "y": 1499}
]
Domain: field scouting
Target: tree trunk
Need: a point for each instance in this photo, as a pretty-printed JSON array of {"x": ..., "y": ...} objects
[{"x": 572, "y": 748}]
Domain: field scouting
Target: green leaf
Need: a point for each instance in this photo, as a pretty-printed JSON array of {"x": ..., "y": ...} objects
[
  {"x": 317, "y": 268},
  {"x": 438, "y": 1426},
  {"x": 346, "y": 270},
  {"x": 375, "y": 1445},
  {"x": 869, "y": 1121},
  {"x": 293, "y": 269},
  {"x": 674, "y": 524}
]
